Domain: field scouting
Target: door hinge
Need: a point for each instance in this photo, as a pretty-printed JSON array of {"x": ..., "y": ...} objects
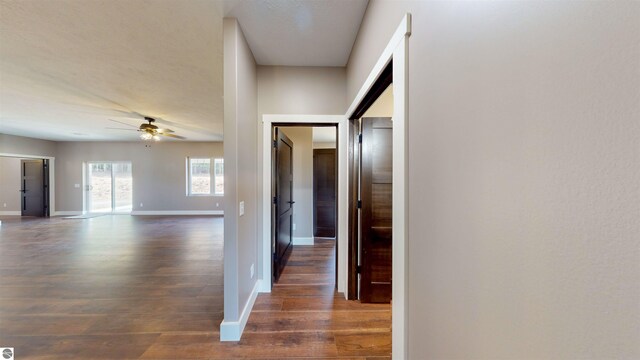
[
  {"x": 359, "y": 204},
  {"x": 275, "y": 200},
  {"x": 360, "y": 138},
  {"x": 359, "y": 269},
  {"x": 275, "y": 144}
]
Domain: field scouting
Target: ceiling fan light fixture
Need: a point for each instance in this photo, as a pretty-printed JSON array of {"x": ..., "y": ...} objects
[
  {"x": 146, "y": 136},
  {"x": 156, "y": 137}
]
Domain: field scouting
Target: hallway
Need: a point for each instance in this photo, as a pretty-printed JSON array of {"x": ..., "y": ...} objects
[
  {"x": 151, "y": 287},
  {"x": 303, "y": 317}
]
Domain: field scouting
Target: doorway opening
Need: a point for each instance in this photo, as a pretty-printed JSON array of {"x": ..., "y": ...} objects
[
  {"x": 25, "y": 186},
  {"x": 304, "y": 175},
  {"x": 108, "y": 187},
  {"x": 371, "y": 194}
]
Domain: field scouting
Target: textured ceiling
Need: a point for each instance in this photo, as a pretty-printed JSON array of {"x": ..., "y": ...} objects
[
  {"x": 299, "y": 32},
  {"x": 66, "y": 67}
]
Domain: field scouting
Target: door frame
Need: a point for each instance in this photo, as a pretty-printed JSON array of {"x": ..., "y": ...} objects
[
  {"x": 52, "y": 178},
  {"x": 269, "y": 121},
  {"x": 397, "y": 50}
]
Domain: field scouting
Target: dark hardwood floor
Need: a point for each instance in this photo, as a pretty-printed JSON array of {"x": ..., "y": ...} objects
[{"x": 122, "y": 287}]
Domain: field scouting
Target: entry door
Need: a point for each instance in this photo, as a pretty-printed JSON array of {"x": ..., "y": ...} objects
[
  {"x": 376, "y": 197},
  {"x": 324, "y": 192},
  {"x": 283, "y": 200},
  {"x": 34, "y": 200}
]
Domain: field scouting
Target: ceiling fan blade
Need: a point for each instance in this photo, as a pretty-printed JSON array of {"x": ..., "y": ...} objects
[
  {"x": 110, "y": 128},
  {"x": 165, "y": 131},
  {"x": 173, "y": 136},
  {"x": 123, "y": 123}
]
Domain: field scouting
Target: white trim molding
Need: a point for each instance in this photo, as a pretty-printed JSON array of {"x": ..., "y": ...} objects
[
  {"x": 268, "y": 120},
  {"x": 397, "y": 49},
  {"x": 303, "y": 241},
  {"x": 232, "y": 330},
  {"x": 10, "y": 213},
  {"x": 177, "y": 212}
]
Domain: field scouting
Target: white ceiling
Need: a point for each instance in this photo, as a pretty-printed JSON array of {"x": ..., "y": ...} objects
[
  {"x": 299, "y": 32},
  {"x": 68, "y": 66}
]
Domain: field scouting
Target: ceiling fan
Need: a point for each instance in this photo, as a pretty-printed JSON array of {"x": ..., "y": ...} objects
[{"x": 148, "y": 130}]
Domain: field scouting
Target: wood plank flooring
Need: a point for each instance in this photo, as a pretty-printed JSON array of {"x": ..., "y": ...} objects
[{"x": 122, "y": 287}]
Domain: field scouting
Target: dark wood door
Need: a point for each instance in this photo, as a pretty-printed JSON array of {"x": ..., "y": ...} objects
[
  {"x": 324, "y": 192},
  {"x": 33, "y": 188},
  {"x": 283, "y": 200},
  {"x": 375, "y": 192}
]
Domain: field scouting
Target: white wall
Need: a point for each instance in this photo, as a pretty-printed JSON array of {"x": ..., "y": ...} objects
[
  {"x": 524, "y": 165},
  {"x": 10, "y": 144},
  {"x": 158, "y": 170},
  {"x": 302, "y": 138},
  {"x": 10, "y": 175},
  {"x": 324, "y": 145},
  {"x": 325, "y": 137},
  {"x": 241, "y": 241},
  {"x": 301, "y": 90},
  {"x": 383, "y": 106},
  {"x": 298, "y": 90}
]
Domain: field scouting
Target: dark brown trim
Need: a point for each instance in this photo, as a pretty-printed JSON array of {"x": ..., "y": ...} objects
[
  {"x": 382, "y": 83},
  {"x": 352, "y": 266},
  {"x": 283, "y": 124}
]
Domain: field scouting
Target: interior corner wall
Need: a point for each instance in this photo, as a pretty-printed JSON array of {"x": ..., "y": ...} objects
[
  {"x": 158, "y": 169},
  {"x": 302, "y": 138},
  {"x": 524, "y": 166},
  {"x": 241, "y": 242}
]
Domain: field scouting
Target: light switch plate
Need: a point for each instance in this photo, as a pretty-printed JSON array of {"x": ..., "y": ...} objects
[
  {"x": 241, "y": 208},
  {"x": 77, "y": 186}
]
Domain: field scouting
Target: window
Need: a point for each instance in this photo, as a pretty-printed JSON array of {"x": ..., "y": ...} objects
[{"x": 199, "y": 179}]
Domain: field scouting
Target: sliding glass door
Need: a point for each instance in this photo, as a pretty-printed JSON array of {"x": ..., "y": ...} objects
[
  {"x": 109, "y": 187},
  {"x": 122, "y": 181}
]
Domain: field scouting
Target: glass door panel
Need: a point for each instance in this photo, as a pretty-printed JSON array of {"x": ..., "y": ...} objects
[
  {"x": 100, "y": 188},
  {"x": 123, "y": 189}
]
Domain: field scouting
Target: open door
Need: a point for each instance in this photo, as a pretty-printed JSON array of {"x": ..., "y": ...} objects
[
  {"x": 283, "y": 201},
  {"x": 376, "y": 197},
  {"x": 35, "y": 182}
]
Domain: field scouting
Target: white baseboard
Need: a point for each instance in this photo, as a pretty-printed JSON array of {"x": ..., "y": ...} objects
[
  {"x": 232, "y": 330},
  {"x": 303, "y": 240},
  {"x": 67, "y": 213},
  {"x": 10, "y": 213},
  {"x": 178, "y": 212}
]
